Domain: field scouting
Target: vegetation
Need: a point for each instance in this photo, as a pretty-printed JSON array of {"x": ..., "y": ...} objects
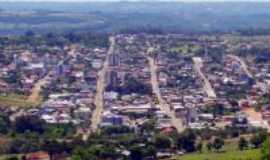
[
  {"x": 253, "y": 154},
  {"x": 242, "y": 144},
  {"x": 113, "y": 17},
  {"x": 29, "y": 134},
  {"x": 266, "y": 150}
]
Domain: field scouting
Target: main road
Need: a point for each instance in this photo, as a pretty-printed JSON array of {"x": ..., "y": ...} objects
[
  {"x": 244, "y": 66},
  {"x": 242, "y": 63},
  {"x": 176, "y": 122},
  {"x": 198, "y": 64},
  {"x": 101, "y": 82}
]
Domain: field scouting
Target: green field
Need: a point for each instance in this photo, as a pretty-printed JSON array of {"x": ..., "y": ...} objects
[{"x": 253, "y": 154}]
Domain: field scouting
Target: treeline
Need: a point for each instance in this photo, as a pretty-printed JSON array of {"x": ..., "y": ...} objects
[
  {"x": 178, "y": 30},
  {"x": 254, "y": 32},
  {"x": 28, "y": 134},
  {"x": 142, "y": 29},
  {"x": 30, "y": 38}
]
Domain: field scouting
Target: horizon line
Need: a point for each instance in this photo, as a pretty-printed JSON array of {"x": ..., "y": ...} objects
[{"x": 103, "y": 1}]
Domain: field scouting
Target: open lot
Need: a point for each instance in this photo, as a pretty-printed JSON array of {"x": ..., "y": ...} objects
[{"x": 14, "y": 100}]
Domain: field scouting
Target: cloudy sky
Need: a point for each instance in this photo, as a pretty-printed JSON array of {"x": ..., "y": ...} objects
[{"x": 137, "y": 0}]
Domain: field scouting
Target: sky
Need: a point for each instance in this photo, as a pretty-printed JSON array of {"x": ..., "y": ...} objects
[{"x": 136, "y": 0}]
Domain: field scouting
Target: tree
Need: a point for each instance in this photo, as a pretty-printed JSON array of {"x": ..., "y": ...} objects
[
  {"x": 256, "y": 140},
  {"x": 52, "y": 147},
  {"x": 29, "y": 123},
  {"x": 162, "y": 142},
  {"x": 150, "y": 151},
  {"x": 13, "y": 77},
  {"x": 199, "y": 147},
  {"x": 266, "y": 150},
  {"x": 81, "y": 153},
  {"x": 4, "y": 124},
  {"x": 136, "y": 152},
  {"x": 243, "y": 143},
  {"x": 263, "y": 134},
  {"x": 94, "y": 152},
  {"x": 209, "y": 146},
  {"x": 186, "y": 141},
  {"x": 218, "y": 143}
]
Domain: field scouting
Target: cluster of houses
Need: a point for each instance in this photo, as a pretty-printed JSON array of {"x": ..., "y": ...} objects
[
  {"x": 72, "y": 73},
  {"x": 127, "y": 98},
  {"x": 179, "y": 83},
  {"x": 234, "y": 87},
  {"x": 23, "y": 68},
  {"x": 71, "y": 90}
]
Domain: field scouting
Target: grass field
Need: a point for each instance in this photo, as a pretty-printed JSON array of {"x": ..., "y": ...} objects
[
  {"x": 253, "y": 154},
  {"x": 15, "y": 100},
  {"x": 230, "y": 151},
  {"x": 6, "y": 157}
]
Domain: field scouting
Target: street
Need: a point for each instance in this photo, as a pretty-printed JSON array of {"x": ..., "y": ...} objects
[
  {"x": 198, "y": 64},
  {"x": 176, "y": 122},
  {"x": 97, "y": 114}
]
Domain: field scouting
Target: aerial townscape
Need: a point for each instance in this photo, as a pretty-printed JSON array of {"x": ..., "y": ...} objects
[{"x": 139, "y": 94}]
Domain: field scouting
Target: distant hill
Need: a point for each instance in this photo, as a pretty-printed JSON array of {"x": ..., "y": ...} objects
[{"x": 18, "y": 17}]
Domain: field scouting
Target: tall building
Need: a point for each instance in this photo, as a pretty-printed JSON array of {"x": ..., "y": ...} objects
[
  {"x": 114, "y": 60},
  {"x": 112, "y": 79}
]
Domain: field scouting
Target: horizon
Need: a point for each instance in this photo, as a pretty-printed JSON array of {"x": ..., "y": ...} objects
[{"x": 97, "y": 1}]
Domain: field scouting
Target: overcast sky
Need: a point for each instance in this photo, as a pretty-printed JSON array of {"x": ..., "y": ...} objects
[{"x": 138, "y": 0}]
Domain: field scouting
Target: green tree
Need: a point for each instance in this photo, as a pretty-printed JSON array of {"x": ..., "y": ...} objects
[
  {"x": 150, "y": 151},
  {"x": 199, "y": 147},
  {"x": 3, "y": 125},
  {"x": 186, "y": 141},
  {"x": 81, "y": 153},
  {"x": 209, "y": 146},
  {"x": 218, "y": 143},
  {"x": 266, "y": 150},
  {"x": 136, "y": 152},
  {"x": 29, "y": 123},
  {"x": 243, "y": 143},
  {"x": 162, "y": 142},
  {"x": 13, "y": 77},
  {"x": 94, "y": 152},
  {"x": 52, "y": 147},
  {"x": 256, "y": 141}
]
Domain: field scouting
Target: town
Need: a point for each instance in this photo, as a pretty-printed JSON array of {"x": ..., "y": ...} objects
[{"x": 179, "y": 82}]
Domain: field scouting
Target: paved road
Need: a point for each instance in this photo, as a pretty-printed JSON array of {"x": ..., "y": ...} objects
[
  {"x": 176, "y": 122},
  {"x": 198, "y": 64},
  {"x": 97, "y": 114},
  {"x": 242, "y": 63},
  {"x": 244, "y": 66}
]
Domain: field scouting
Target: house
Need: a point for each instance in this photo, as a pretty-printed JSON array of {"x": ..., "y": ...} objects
[
  {"x": 82, "y": 113},
  {"x": 38, "y": 156},
  {"x": 112, "y": 119}
]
